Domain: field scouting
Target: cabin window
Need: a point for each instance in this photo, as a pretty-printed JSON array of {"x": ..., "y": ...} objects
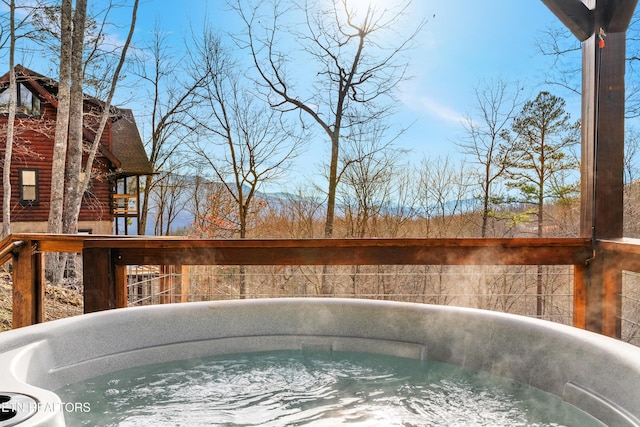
[
  {"x": 27, "y": 103},
  {"x": 29, "y": 192}
]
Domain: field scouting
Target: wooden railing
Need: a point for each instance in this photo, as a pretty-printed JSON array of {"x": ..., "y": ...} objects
[
  {"x": 597, "y": 267},
  {"x": 28, "y": 252}
]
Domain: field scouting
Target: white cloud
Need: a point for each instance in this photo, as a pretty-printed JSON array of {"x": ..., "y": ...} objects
[
  {"x": 440, "y": 110},
  {"x": 426, "y": 106}
]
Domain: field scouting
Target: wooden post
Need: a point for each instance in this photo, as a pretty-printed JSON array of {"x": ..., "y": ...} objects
[
  {"x": 181, "y": 283},
  {"x": 602, "y": 168},
  {"x": 603, "y": 136},
  {"x": 28, "y": 286},
  {"x": 99, "y": 276},
  {"x": 121, "y": 286},
  {"x": 579, "y": 296},
  {"x": 593, "y": 285},
  {"x": 601, "y": 26},
  {"x": 611, "y": 297}
]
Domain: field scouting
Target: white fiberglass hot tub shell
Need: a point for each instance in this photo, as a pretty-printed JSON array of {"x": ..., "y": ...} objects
[{"x": 597, "y": 374}]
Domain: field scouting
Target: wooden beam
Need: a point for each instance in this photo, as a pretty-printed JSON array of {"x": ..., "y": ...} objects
[
  {"x": 580, "y": 17},
  {"x": 60, "y": 242},
  {"x": 624, "y": 245},
  {"x": 577, "y": 17},
  {"x": 8, "y": 249},
  {"x": 618, "y": 15},
  {"x": 180, "y": 251},
  {"x": 602, "y": 294},
  {"x": 625, "y": 252}
]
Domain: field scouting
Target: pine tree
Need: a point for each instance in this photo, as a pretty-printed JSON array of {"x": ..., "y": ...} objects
[{"x": 541, "y": 161}]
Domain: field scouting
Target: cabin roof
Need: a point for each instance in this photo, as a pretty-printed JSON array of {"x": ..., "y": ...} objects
[
  {"x": 127, "y": 146},
  {"x": 127, "y": 153}
]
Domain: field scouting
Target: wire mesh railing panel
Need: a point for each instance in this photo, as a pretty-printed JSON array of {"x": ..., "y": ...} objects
[
  {"x": 545, "y": 292},
  {"x": 61, "y": 302},
  {"x": 6, "y": 299},
  {"x": 630, "y": 311}
]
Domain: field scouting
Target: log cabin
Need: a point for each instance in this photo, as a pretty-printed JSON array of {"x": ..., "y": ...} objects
[{"x": 110, "y": 204}]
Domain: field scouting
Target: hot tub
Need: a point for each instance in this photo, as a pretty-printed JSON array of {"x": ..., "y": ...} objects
[{"x": 597, "y": 374}]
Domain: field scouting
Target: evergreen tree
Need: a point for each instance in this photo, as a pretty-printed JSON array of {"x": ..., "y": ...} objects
[
  {"x": 541, "y": 163},
  {"x": 542, "y": 160}
]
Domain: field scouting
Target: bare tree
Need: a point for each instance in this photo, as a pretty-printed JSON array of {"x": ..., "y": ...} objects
[
  {"x": 75, "y": 145},
  {"x": 564, "y": 50},
  {"x": 565, "y": 71},
  {"x": 99, "y": 68},
  {"x": 213, "y": 209},
  {"x": 297, "y": 214},
  {"x": 632, "y": 184},
  {"x": 169, "y": 199},
  {"x": 243, "y": 141},
  {"x": 68, "y": 185},
  {"x": 401, "y": 206},
  {"x": 497, "y": 103},
  {"x": 56, "y": 202},
  {"x": 6, "y": 171},
  {"x": 631, "y": 155},
  {"x": 443, "y": 195},
  {"x": 100, "y": 51},
  {"x": 77, "y": 42},
  {"x": 171, "y": 99},
  {"x": 352, "y": 71},
  {"x": 369, "y": 167},
  {"x": 369, "y": 163}
]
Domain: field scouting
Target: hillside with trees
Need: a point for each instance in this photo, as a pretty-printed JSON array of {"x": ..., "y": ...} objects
[
  {"x": 227, "y": 114},
  {"x": 228, "y": 109}
]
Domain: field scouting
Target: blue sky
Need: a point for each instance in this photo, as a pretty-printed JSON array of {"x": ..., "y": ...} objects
[{"x": 466, "y": 42}]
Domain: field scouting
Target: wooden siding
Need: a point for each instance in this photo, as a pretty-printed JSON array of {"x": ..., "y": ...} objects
[{"x": 33, "y": 148}]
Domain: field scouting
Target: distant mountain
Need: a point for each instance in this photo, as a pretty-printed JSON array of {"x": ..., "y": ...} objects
[{"x": 184, "y": 219}]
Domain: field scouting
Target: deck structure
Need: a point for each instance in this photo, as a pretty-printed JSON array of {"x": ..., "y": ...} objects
[{"x": 598, "y": 255}]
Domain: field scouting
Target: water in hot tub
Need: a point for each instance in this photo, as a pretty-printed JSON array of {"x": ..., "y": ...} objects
[{"x": 295, "y": 388}]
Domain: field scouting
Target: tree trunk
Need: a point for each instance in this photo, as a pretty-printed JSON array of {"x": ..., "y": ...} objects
[
  {"x": 144, "y": 211},
  {"x": 6, "y": 171},
  {"x": 539, "y": 281},
  {"x": 76, "y": 123},
  {"x": 539, "y": 294},
  {"x": 326, "y": 287},
  {"x": 62, "y": 123},
  {"x": 333, "y": 184},
  {"x": 74, "y": 201},
  {"x": 243, "y": 281},
  {"x": 55, "y": 264},
  {"x": 485, "y": 202}
]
